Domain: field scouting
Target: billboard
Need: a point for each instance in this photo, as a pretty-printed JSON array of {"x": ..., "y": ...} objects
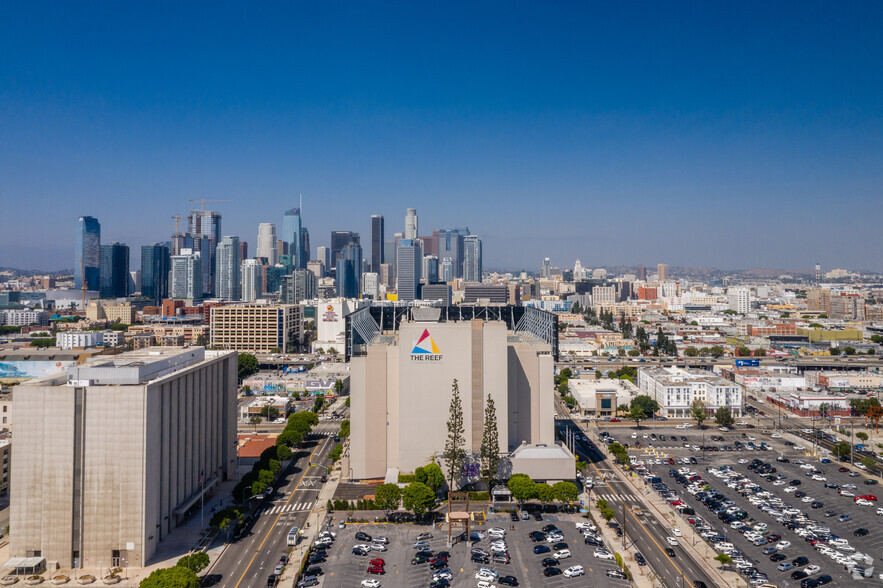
[
  {"x": 747, "y": 363},
  {"x": 26, "y": 370}
]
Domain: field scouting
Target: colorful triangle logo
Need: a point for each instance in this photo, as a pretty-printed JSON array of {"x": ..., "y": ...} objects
[{"x": 426, "y": 344}]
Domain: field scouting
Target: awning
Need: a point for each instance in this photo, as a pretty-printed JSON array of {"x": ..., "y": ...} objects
[{"x": 26, "y": 565}]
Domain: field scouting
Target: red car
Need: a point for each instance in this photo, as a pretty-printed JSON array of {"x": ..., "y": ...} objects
[
  {"x": 615, "y": 420},
  {"x": 870, "y": 497},
  {"x": 376, "y": 570},
  {"x": 843, "y": 470},
  {"x": 438, "y": 558},
  {"x": 675, "y": 502},
  {"x": 377, "y": 562}
]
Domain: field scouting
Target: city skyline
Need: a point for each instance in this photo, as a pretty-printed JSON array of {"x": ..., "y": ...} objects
[{"x": 702, "y": 135}]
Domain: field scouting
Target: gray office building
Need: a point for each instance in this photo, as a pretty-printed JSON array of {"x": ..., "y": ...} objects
[
  {"x": 114, "y": 270},
  {"x": 228, "y": 274},
  {"x": 111, "y": 456},
  {"x": 408, "y": 262},
  {"x": 87, "y": 256},
  {"x": 155, "y": 263},
  {"x": 377, "y": 243},
  {"x": 472, "y": 258}
]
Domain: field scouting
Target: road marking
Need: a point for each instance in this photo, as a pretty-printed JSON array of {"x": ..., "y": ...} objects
[{"x": 273, "y": 526}]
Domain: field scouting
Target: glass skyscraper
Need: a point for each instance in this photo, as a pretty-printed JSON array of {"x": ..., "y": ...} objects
[
  {"x": 472, "y": 258},
  {"x": 349, "y": 271},
  {"x": 155, "y": 262},
  {"x": 114, "y": 270},
  {"x": 87, "y": 257},
  {"x": 227, "y": 272},
  {"x": 297, "y": 237},
  {"x": 377, "y": 243}
]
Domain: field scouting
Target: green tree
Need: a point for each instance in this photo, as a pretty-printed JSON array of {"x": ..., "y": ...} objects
[
  {"x": 248, "y": 365},
  {"x": 565, "y": 491},
  {"x": 634, "y": 353},
  {"x": 834, "y": 351},
  {"x": 195, "y": 562},
  {"x": 455, "y": 445},
  {"x": 201, "y": 341},
  {"x": 338, "y": 387},
  {"x": 435, "y": 478},
  {"x": 868, "y": 462},
  {"x": 269, "y": 412},
  {"x": 418, "y": 498},
  {"x": 173, "y": 577},
  {"x": 743, "y": 351},
  {"x": 283, "y": 453},
  {"x": 335, "y": 453},
  {"x": 522, "y": 488},
  {"x": 716, "y": 351},
  {"x": 724, "y": 558},
  {"x": 344, "y": 429},
  {"x": 699, "y": 412},
  {"x": 723, "y": 417},
  {"x": 691, "y": 352},
  {"x": 622, "y": 409},
  {"x": 842, "y": 449},
  {"x": 318, "y": 404},
  {"x": 490, "y": 444},
  {"x": 862, "y": 435},
  {"x": 387, "y": 498},
  {"x": 544, "y": 493},
  {"x": 642, "y": 407},
  {"x": 849, "y": 351},
  {"x": 42, "y": 343},
  {"x": 607, "y": 514},
  {"x": 255, "y": 420}
]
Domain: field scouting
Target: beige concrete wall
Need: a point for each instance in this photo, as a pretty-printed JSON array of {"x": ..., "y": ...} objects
[{"x": 368, "y": 414}]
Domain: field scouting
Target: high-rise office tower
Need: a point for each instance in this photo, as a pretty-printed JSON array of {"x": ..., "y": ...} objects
[
  {"x": 446, "y": 270},
  {"x": 267, "y": 243},
  {"x": 251, "y": 280},
  {"x": 322, "y": 254},
  {"x": 472, "y": 258},
  {"x": 303, "y": 252},
  {"x": 227, "y": 273},
  {"x": 662, "y": 271},
  {"x": 114, "y": 270},
  {"x": 547, "y": 268},
  {"x": 449, "y": 244},
  {"x": 243, "y": 251},
  {"x": 180, "y": 242},
  {"x": 205, "y": 226},
  {"x": 429, "y": 275},
  {"x": 377, "y": 243},
  {"x": 293, "y": 233},
  {"x": 411, "y": 224},
  {"x": 407, "y": 269},
  {"x": 186, "y": 272},
  {"x": 641, "y": 274},
  {"x": 299, "y": 286},
  {"x": 338, "y": 240},
  {"x": 155, "y": 265},
  {"x": 348, "y": 271},
  {"x": 87, "y": 257},
  {"x": 134, "y": 283}
]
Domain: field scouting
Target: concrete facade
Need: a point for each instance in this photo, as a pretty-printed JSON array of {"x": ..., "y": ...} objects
[
  {"x": 109, "y": 455},
  {"x": 402, "y": 389},
  {"x": 257, "y": 327}
]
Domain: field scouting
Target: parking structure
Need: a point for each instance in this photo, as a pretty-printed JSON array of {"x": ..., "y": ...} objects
[
  {"x": 344, "y": 568},
  {"x": 766, "y": 497}
]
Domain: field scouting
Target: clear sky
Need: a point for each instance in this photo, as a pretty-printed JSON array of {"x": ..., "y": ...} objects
[{"x": 732, "y": 135}]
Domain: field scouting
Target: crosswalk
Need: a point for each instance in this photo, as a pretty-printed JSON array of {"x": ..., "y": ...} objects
[{"x": 293, "y": 507}]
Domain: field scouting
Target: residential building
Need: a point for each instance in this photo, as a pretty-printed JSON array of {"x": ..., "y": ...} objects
[
  {"x": 87, "y": 255},
  {"x": 449, "y": 246},
  {"x": 257, "y": 327},
  {"x": 472, "y": 268},
  {"x": 24, "y": 317},
  {"x": 186, "y": 276},
  {"x": 78, "y": 339},
  {"x": 402, "y": 380},
  {"x": 377, "y": 243},
  {"x": 850, "y": 307},
  {"x": 739, "y": 300},
  {"x": 6, "y": 454},
  {"x": 205, "y": 226},
  {"x": 407, "y": 270},
  {"x": 429, "y": 273},
  {"x": 446, "y": 270},
  {"x": 267, "y": 244},
  {"x": 299, "y": 286},
  {"x": 252, "y": 289},
  {"x": 122, "y": 313},
  {"x": 641, "y": 274},
  {"x": 114, "y": 272},
  {"x": 675, "y": 389},
  {"x": 602, "y": 295},
  {"x": 819, "y": 300},
  {"x": 317, "y": 267},
  {"x": 155, "y": 266},
  {"x": 116, "y": 453},
  {"x": 229, "y": 271}
]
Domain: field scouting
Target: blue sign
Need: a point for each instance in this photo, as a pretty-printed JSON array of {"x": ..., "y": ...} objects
[{"x": 747, "y": 363}]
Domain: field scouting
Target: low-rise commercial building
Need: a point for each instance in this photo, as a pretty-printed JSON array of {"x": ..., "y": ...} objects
[
  {"x": 675, "y": 389},
  {"x": 600, "y": 398},
  {"x": 257, "y": 327}
]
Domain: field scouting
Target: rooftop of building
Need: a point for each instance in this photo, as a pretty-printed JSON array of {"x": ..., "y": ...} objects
[{"x": 673, "y": 376}]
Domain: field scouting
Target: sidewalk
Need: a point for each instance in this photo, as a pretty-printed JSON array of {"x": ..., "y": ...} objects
[{"x": 640, "y": 577}]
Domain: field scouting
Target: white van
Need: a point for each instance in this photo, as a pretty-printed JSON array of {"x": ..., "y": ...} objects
[{"x": 293, "y": 535}]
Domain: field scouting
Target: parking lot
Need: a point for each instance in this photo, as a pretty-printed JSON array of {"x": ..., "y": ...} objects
[
  {"x": 774, "y": 497},
  {"x": 344, "y": 568}
]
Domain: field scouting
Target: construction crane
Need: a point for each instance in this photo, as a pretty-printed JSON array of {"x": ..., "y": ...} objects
[
  {"x": 204, "y": 200},
  {"x": 177, "y": 218}
]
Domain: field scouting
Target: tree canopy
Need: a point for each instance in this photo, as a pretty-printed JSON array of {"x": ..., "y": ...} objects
[
  {"x": 418, "y": 498},
  {"x": 387, "y": 497},
  {"x": 195, "y": 562},
  {"x": 173, "y": 577},
  {"x": 248, "y": 365},
  {"x": 698, "y": 412},
  {"x": 522, "y": 488},
  {"x": 724, "y": 417}
]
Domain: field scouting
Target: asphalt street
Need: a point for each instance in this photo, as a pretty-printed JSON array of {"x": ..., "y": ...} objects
[{"x": 246, "y": 563}]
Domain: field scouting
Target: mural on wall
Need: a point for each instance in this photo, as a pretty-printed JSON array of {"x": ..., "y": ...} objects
[{"x": 26, "y": 370}]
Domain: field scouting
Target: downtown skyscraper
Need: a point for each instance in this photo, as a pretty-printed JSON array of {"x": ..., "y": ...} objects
[
  {"x": 472, "y": 258},
  {"x": 297, "y": 238},
  {"x": 227, "y": 272},
  {"x": 377, "y": 244},
  {"x": 205, "y": 227},
  {"x": 411, "y": 224},
  {"x": 87, "y": 255},
  {"x": 155, "y": 264},
  {"x": 267, "y": 243},
  {"x": 408, "y": 266},
  {"x": 114, "y": 272}
]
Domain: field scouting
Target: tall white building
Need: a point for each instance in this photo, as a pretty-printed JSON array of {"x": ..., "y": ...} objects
[
  {"x": 112, "y": 455},
  {"x": 675, "y": 389},
  {"x": 472, "y": 258},
  {"x": 227, "y": 272},
  {"x": 187, "y": 274},
  {"x": 739, "y": 299},
  {"x": 371, "y": 285},
  {"x": 603, "y": 295},
  {"x": 411, "y": 224},
  {"x": 267, "y": 243},
  {"x": 251, "y": 280}
]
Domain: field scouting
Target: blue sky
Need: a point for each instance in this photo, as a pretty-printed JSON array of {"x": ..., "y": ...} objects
[{"x": 732, "y": 135}]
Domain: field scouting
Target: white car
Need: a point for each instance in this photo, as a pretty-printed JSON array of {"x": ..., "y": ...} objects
[
  {"x": 776, "y": 436},
  {"x": 783, "y": 545},
  {"x": 574, "y": 571},
  {"x": 799, "y": 447},
  {"x": 588, "y": 526},
  {"x": 779, "y": 483},
  {"x": 880, "y": 511},
  {"x": 807, "y": 466},
  {"x": 634, "y": 435},
  {"x": 555, "y": 538},
  {"x": 378, "y": 547},
  {"x": 819, "y": 478},
  {"x": 810, "y": 570},
  {"x": 743, "y": 460},
  {"x": 863, "y": 502},
  {"x": 671, "y": 541},
  {"x": 790, "y": 489},
  {"x": 603, "y": 554},
  {"x": 861, "y": 466},
  {"x": 370, "y": 583},
  {"x": 489, "y": 571},
  {"x": 443, "y": 575},
  {"x": 846, "y": 493},
  {"x": 483, "y": 576},
  {"x": 499, "y": 548},
  {"x": 496, "y": 531},
  {"x": 562, "y": 554},
  {"x": 676, "y": 532},
  {"x": 485, "y": 584}
]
